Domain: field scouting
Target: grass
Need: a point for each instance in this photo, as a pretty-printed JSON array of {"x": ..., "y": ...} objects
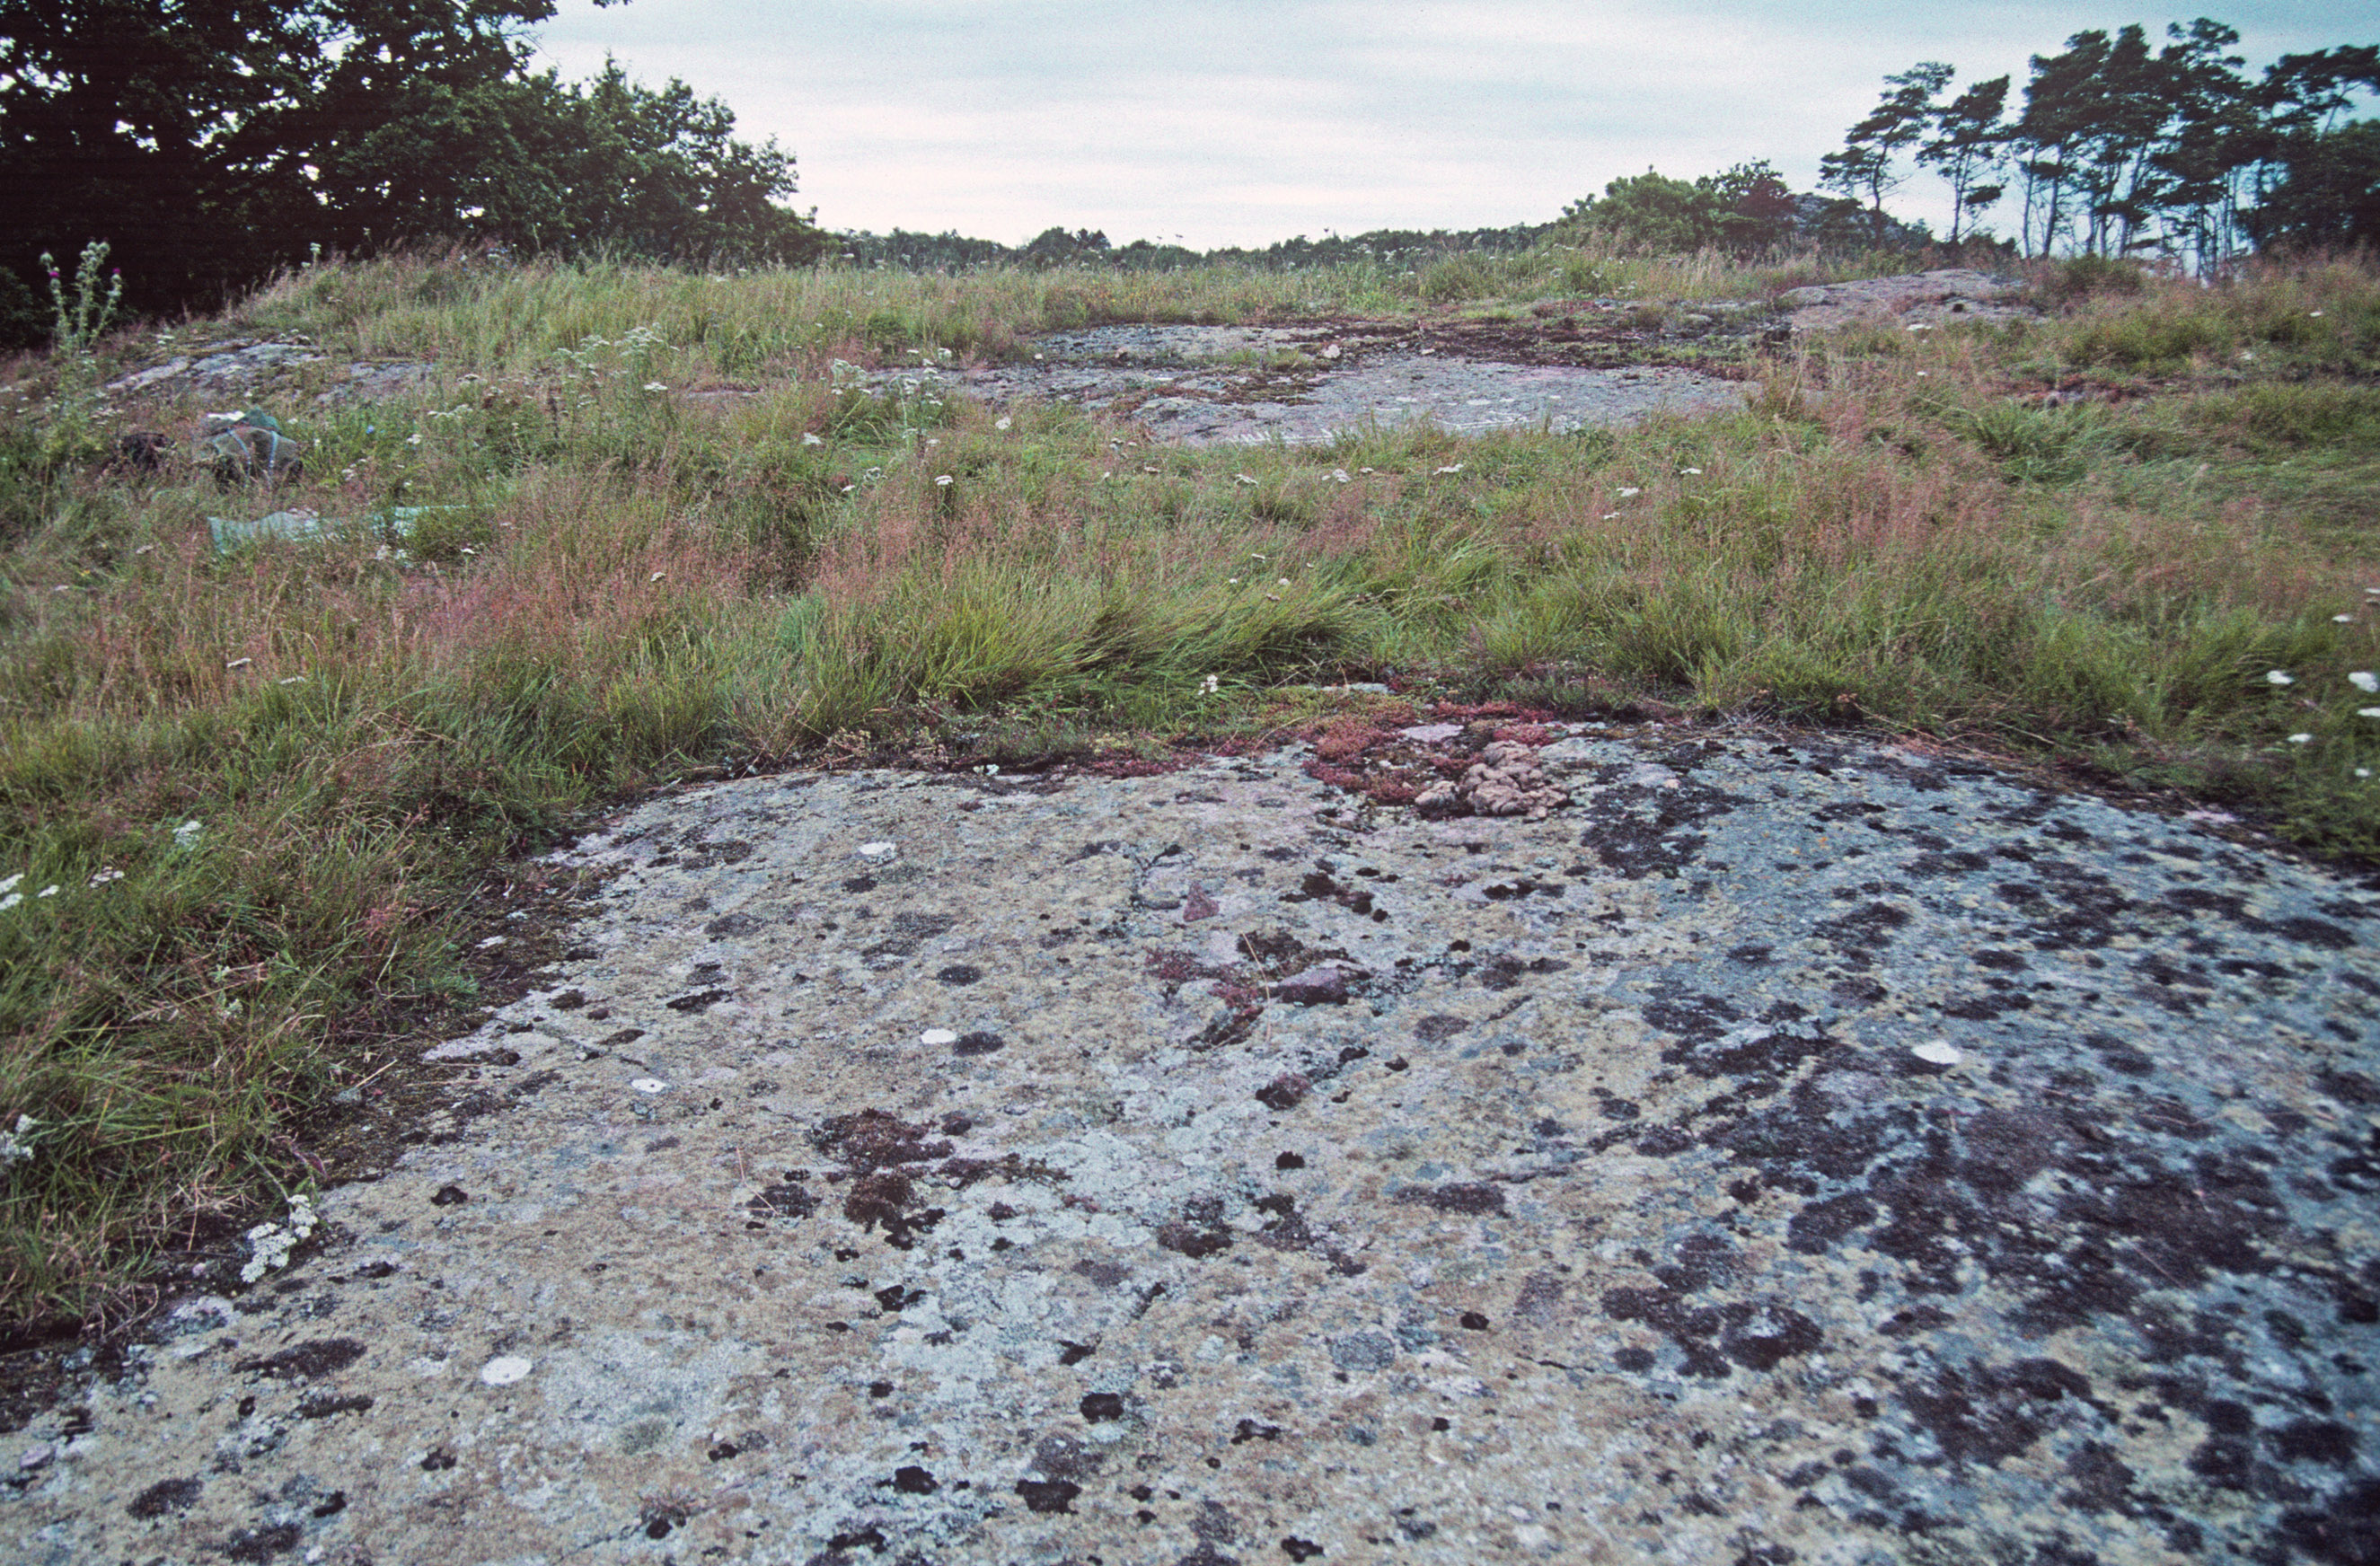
[{"x": 272, "y": 787}]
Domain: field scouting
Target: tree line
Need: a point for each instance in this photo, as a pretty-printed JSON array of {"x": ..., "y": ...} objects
[
  {"x": 210, "y": 144},
  {"x": 2121, "y": 148}
]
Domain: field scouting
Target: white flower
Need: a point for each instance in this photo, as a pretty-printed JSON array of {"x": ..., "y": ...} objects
[
  {"x": 1285, "y": 582},
  {"x": 1003, "y": 422},
  {"x": 1923, "y": 372},
  {"x": 1376, "y": 470},
  {"x": 16, "y": 1145},
  {"x": 1244, "y": 477},
  {"x": 2300, "y": 739},
  {"x": 11, "y": 884},
  {"x": 942, "y": 480},
  {"x": 1339, "y": 474},
  {"x": 186, "y": 836},
  {"x": 49, "y": 891},
  {"x": 656, "y": 576},
  {"x": 239, "y": 663},
  {"x": 10, "y": 901},
  {"x": 300, "y": 679},
  {"x": 1450, "y": 468},
  {"x": 2342, "y": 619},
  {"x": 414, "y": 439},
  {"x": 2279, "y": 677},
  {"x": 1684, "y": 472},
  {"x": 1210, "y": 686},
  {"x": 104, "y": 874},
  {"x": 2363, "y": 771},
  {"x": 2368, "y": 711},
  {"x": 810, "y": 440},
  {"x": 2364, "y": 679},
  {"x": 1921, "y": 326},
  {"x": 1630, "y": 492},
  {"x": 2316, "y": 313}
]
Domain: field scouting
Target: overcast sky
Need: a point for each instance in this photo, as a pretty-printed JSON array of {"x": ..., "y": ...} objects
[{"x": 1241, "y": 122}]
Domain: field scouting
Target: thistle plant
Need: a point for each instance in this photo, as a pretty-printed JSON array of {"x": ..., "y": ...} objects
[
  {"x": 81, "y": 321},
  {"x": 80, "y": 316}
]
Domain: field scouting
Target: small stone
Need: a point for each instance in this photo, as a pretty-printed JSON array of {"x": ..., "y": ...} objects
[
  {"x": 35, "y": 1457},
  {"x": 935, "y": 1037},
  {"x": 650, "y": 1085},
  {"x": 877, "y": 853},
  {"x": 1937, "y": 1053},
  {"x": 504, "y": 1369}
]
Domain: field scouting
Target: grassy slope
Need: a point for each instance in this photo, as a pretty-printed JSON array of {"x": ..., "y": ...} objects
[{"x": 622, "y": 582}]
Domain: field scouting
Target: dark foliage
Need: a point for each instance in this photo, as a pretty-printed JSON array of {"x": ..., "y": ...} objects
[{"x": 211, "y": 144}]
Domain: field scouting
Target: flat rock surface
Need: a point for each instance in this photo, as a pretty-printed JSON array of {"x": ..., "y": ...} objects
[
  {"x": 1921, "y": 299},
  {"x": 1307, "y": 385},
  {"x": 1790, "y": 1150}
]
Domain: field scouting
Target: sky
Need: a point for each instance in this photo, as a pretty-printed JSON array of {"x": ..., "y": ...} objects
[{"x": 1242, "y": 122}]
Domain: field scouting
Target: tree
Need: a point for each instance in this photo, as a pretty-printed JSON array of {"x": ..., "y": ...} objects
[
  {"x": 1864, "y": 165},
  {"x": 212, "y": 143},
  {"x": 1968, "y": 146},
  {"x": 2328, "y": 194},
  {"x": 1744, "y": 211}
]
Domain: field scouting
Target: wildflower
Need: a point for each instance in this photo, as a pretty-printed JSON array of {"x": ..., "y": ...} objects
[
  {"x": 655, "y": 386},
  {"x": 1923, "y": 372},
  {"x": 1285, "y": 582},
  {"x": 49, "y": 891},
  {"x": 942, "y": 480},
  {"x": 1235, "y": 581},
  {"x": 1450, "y": 468},
  {"x": 1339, "y": 474},
  {"x": 1244, "y": 477},
  {"x": 10, "y": 901},
  {"x": 414, "y": 439},
  {"x": 656, "y": 576},
  {"x": 11, "y": 884},
  {"x": 2368, "y": 711},
  {"x": 186, "y": 836},
  {"x": 104, "y": 874},
  {"x": 1685, "y": 471},
  {"x": 810, "y": 440},
  {"x": 2364, "y": 679},
  {"x": 1212, "y": 685},
  {"x": 1611, "y": 517},
  {"x": 2300, "y": 739},
  {"x": 1921, "y": 326},
  {"x": 16, "y": 1145},
  {"x": 2342, "y": 619},
  {"x": 2279, "y": 677},
  {"x": 1376, "y": 470},
  {"x": 2316, "y": 313}
]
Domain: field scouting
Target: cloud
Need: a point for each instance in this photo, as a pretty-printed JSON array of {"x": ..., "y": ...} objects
[{"x": 1245, "y": 121}]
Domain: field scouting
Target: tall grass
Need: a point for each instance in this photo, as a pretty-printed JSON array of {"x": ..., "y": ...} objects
[{"x": 609, "y": 579}]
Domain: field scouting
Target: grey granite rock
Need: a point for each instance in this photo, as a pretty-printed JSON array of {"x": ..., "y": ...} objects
[{"x": 975, "y": 1202}]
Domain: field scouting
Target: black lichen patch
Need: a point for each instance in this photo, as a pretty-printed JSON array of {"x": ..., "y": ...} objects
[
  {"x": 697, "y": 1001},
  {"x": 316, "y": 1356},
  {"x": 263, "y": 1542},
  {"x": 1475, "y": 1200},
  {"x": 787, "y": 1200},
  {"x": 1200, "y": 1233},
  {"x": 1987, "y": 1414},
  {"x": 1048, "y": 1495},
  {"x": 164, "y": 1496}
]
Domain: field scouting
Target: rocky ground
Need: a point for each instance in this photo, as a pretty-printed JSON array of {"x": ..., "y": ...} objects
[
  {"x": 1567, "y": 365},
  {"x": 1754, "y": 1149}
]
